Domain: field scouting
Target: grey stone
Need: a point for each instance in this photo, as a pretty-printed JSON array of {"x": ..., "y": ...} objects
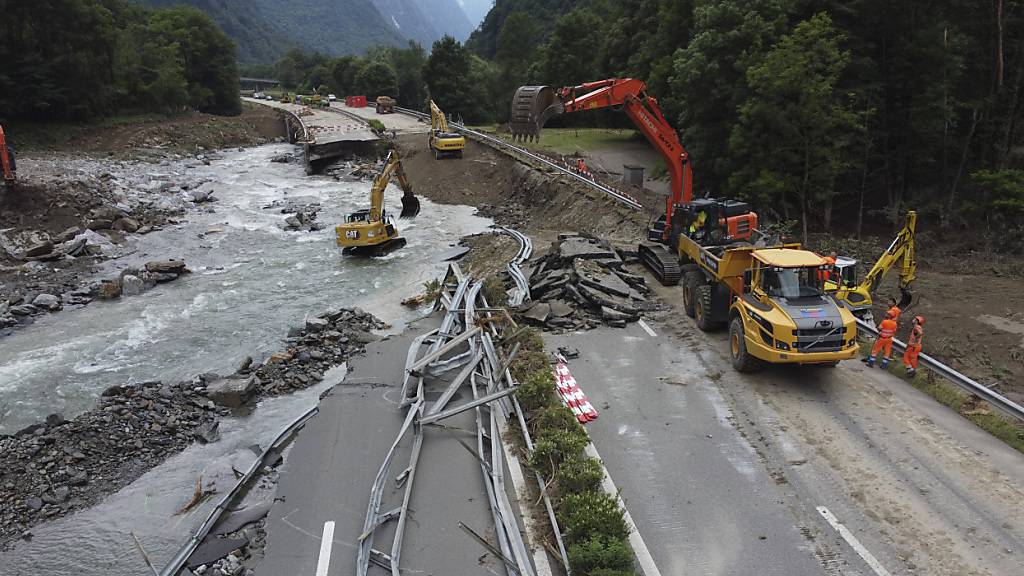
[
  {"x": 213, "y": 549},
  {"x": 231, "y": 392},
  {"x": 47, "y": 301},
  {"x": 560, "y": 309},
  {"x": 363, "y": 337},
  {"x": 73, "y": 247},
  {"x": 539, "y": 312},
  {"x": 200, "y": 196},
  {"x": 100, "y": 224},
  {"x": 126, "y": 224},
  {"x": 54, "y": 420},
  {"x": 316, "y": 324},
  {"x": 39, "y": 249},
  {"x": 33, "y": 502},
  {"x": 23, "y": 310},
  {"x": 57, "y": 496},
  {"x": 132, "y": 285},
  {"x": 207, "y": 433},
  {"x": 161, "y": 277},
  {"x": 166, "y": 266},
  {"x": 68, "y": 234}
]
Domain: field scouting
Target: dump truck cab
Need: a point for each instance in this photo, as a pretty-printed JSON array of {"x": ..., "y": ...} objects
[{"x": 783, "y": 314}]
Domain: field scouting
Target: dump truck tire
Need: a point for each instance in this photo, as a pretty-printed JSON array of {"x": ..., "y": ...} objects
[
  {"x": 742, "y": 361},
  {"x": 702, "y": 307},
  {"x": 691, "y": 281}
]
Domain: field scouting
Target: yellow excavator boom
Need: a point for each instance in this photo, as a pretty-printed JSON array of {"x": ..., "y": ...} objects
[
  {"x": 370, "y": 231},
  {"x": 902, "y": 247}
]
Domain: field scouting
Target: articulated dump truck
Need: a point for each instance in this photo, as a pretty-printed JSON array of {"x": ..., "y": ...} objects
[{"x": 771, "y": 298}]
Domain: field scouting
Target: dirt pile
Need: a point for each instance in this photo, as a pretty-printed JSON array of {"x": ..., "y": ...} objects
[{"x": 582, "y": 283}]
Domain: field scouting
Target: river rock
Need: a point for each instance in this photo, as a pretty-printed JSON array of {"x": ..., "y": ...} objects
[
  {"x": 110, "y": 289},
  {"x": 207, "y": 433},
  {"x": 316, "y": 324},
  {"x": 201, "y": 196},
  {"x": 47, "y": 302},
  {"x": 23, "y": 310},
  {"x": 40, "y": 249},
  {"x": 166, "y": 266},
  {"x": 34, "y": 502},
  {"x": 68, "y": 234},
  {"x": 57, "y": 496},
  {"x": 231, "y": 392},
  {"x": 131, "y": 285},
  {"x": 126, "y": 224}
]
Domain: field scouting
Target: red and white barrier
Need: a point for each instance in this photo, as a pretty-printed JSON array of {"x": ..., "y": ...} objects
[{"x": 571, "y": 395}]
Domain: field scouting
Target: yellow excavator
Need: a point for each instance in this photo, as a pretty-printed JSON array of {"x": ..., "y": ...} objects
[
  {"x": 857, "y": 295},
  {"x": 443, "y": 142},
  {"x": 372, "y": 232}
]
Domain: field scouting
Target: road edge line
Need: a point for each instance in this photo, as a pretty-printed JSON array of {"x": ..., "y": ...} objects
[
  {"x": 643, "y": 554},
  {"x": 859, "y": 548},
  {"x": 326, "y": 544}
]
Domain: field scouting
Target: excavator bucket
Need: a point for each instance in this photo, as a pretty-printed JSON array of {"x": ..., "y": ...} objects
[
  {"x": 906, "y": 298},
  {"x": 410, "y": 206},
  {"x": 532, "y": 106}
]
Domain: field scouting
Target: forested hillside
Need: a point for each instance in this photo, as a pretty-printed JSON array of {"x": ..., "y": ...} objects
[
  {"x": 856, "y": 108},
  {"x": 83, "y": 59}
]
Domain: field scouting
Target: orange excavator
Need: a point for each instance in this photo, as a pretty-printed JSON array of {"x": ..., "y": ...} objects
[
  {"x": 7, "y": 161},
  {"x": 533, "y": 106}
]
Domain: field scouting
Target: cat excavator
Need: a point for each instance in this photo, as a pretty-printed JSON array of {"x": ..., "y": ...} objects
[
  {"x": 372, "y": 232},
  {"x": 7, "y": 164},
  {"x": 857, "y": 295},
  {"x": 769, "y": 296},
  {"x": 442, "y": 141}
]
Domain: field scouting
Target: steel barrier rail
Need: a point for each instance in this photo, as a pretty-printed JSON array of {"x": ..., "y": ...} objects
[
  {"x": 498, "y": 142},
  {"x": 995, "y": 399},
  {"x": 181, "y": 557},
  {"x": 525, "y": 250}
]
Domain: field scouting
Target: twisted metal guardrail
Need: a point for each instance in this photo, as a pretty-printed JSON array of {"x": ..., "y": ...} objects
[
  {"x": 522, "y": 292},
  {"x": 993, "y": 398},
  {"x": 523, "y": 152}
]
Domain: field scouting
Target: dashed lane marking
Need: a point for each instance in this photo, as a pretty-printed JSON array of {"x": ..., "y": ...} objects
[
  {"x": 859, "y": 548},
  {"x": 643, "y": 555},
  {"x": 326, "y": 542},
  {"x": 647, "y": 328}
]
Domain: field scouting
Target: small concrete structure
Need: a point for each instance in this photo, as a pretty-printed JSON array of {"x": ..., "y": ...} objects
[{"x": 632, "y": 174}]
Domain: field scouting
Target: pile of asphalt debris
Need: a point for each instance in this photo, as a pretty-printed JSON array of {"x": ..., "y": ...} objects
[
  {"x": 55, "y": 467},
  {"x": 582, "y": 283}
]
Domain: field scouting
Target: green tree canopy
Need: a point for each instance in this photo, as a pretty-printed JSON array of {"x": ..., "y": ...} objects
[{"x": 376, "y": 79}]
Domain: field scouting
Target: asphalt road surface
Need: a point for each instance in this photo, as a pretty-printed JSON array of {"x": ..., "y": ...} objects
[
  {"x": 330, "y": 469},
  {"x": 730, "y": 474}
]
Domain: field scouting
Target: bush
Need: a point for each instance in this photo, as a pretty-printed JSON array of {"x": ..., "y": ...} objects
[
  {"x": 555, "y": 446},
  {"x": 377, "y": 126},
  {"x": 495, "y": 292},
  {"x": 555, "y": 417},
  {"x": 601, "y": 556},
  {"x": 529, "y": 362},
  {"x": 530, "y": 339},
  {"x": 576, "y": 475},
  {"x": 537, "y": 390},
  {"x": 590, "y": 514}
]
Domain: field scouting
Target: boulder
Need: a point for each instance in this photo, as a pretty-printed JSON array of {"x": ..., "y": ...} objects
[
  {"x": 207, "y": 433},
  {"x": 39, "y": 249},
  {"x": 72, "y": 247},
  {"x": 110, "y": 289},
  {"x": 100, "y": 224},
  {"x": 231, "y": 392},
  {"x": 316, "y": 324},
  {"x": 68, "y": 234},
  {"x": 23, "y": 310},
  {"x": 47, "y": 301},
  {"x": 126, "y": 224},
  {"x": 132, "y": 285},
  {"x": 166, "y": 266}
]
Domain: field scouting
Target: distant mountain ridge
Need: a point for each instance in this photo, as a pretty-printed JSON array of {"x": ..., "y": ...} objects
[{"x": 265, "y": 29}]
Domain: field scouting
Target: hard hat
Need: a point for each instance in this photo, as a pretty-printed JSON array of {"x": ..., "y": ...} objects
[
  {"x": 919, "y": 320},
  {"x": 889, "y": 314}
]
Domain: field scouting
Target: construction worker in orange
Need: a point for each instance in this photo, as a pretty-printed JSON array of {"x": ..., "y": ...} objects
[
  {"x": 581, "y": 166},
  {"x": 914, "y": 346},
  {"x": 894, "y": 309},
  {"x": 886, "y": 332}
]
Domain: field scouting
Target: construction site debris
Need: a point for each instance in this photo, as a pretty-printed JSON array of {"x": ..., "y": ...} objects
[{"x": 581, "y": 283}]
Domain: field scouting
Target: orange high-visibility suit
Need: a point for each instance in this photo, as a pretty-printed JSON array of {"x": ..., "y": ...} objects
[
  {"x": 886, "y": 331},
  {"x": 913, "y": 348}
]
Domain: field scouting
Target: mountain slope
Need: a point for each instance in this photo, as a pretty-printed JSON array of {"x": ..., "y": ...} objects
[
  {"x": 446, "y": 17},
  {"x": 476, "y": 10},
  {"x": 408, "y": 20},
  {"x": 264, "y": 29},
  {"x": 484, "y": 41}
]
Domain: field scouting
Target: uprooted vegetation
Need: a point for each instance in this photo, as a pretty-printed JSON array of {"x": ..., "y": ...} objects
[{"x": 593, "y": 523}]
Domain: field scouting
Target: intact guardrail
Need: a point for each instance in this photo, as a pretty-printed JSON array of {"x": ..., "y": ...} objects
[
  {"x": 995, "y": 399},
  {"x": 509, "y": 147}
]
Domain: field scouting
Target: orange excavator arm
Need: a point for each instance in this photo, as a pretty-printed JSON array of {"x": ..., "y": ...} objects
[
  {"x": 532, "y": 106},
  {"x": 6, "y": 162}
]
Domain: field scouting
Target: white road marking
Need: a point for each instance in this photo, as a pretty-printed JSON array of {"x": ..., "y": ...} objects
[
  {"x": 643, "y": 555},
  {"x": 647, "y": 328},
  {"x": 325, "y": 549},
  {"x": 859, "y": 548}
]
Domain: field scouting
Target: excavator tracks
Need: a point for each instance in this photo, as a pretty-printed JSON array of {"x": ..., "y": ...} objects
[{"x": 661, "y": 262}]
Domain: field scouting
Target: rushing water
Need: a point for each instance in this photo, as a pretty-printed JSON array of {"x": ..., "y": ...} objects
[{"x": 251, "y": 282}]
